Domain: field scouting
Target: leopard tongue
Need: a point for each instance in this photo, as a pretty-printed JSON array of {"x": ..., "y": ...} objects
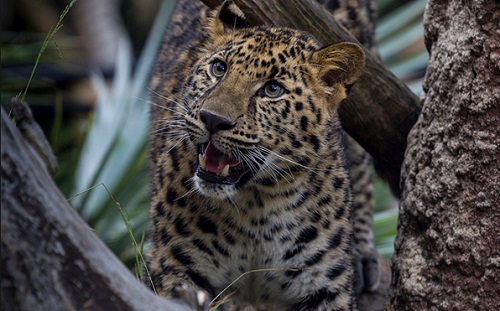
[{"x": 216, "y": 161}]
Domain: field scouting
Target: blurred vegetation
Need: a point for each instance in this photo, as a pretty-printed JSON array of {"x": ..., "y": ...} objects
[{"x": 97, "y": 123}]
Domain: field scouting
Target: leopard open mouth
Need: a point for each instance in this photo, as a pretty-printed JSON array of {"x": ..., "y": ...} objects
[{"x": 215, "y": 166}]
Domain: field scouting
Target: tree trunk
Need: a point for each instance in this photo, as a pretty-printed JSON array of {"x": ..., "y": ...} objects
[
  {"x": 448, "y": 245},
  {"x": 50, "y": 258}
]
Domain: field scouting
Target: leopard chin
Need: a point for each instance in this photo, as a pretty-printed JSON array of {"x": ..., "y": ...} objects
[{"x": 214, "y": 190}]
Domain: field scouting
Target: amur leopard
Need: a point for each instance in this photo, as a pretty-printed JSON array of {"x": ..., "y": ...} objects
[{"x": 249, "y": 170}]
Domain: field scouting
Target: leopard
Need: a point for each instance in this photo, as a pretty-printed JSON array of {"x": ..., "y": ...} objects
[{"x": 252, "y": 200}]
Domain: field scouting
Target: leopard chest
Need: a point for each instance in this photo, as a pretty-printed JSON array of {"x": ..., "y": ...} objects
[{"x": 272, "y": 248}]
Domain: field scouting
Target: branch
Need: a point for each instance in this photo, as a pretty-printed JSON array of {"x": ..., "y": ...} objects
[
  {"x": 379, "y": 111},
  {"x": 51, "y": 260}
]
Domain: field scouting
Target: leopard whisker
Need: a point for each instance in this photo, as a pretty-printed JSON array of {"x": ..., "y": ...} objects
[
  {"x": 311, "y": 169},
  {"x": 250, "y": 162},
  {"x": 178, "y": 142},
  {"x": 232, "y": 201},
  {"x": 177, "y": 100},
  {"x": 170, "y": 109},
  {"x": 162, "y": 130},
  {"x": 273, "y": 168},
  {"x": 188, "y": 193},
  {"x": 171, "y": 126},
  {"x": 174, "y": 123}
]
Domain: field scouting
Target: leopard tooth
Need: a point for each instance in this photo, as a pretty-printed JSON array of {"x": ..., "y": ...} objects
[
  {"x": 225, "y": 171},
  {"x": 201, "y": 160}
]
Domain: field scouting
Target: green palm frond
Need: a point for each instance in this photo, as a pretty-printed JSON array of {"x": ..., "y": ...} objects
[{"x": 400, "y": 40}]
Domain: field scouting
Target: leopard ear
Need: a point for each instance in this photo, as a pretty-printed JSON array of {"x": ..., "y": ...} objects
[
  {"x": 232, "y": 16},
  {"x": 339, "y": 64},
  {"x": 228, "y": 17}
]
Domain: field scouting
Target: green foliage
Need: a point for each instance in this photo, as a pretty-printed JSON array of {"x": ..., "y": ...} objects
[
  {"x": 46, "y": 42},
  {"x": 384, "y": 229},
  {"x": 18, "y": 56},
  {"x": 400, "y": 39}
]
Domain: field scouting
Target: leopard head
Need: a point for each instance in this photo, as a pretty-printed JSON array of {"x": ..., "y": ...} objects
[{"x": 261, "y": 102}]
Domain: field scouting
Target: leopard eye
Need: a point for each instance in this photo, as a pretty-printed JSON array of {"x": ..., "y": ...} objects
[
  {"x": 273, "y": 89},
  {"x": 218, "y": 68}
]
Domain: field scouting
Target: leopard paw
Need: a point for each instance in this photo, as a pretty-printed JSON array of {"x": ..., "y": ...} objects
[{"x": 197, "y": 299}]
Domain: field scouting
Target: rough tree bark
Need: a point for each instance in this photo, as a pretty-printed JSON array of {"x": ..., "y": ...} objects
[
  {"x": 50, "y": 258},
  {"x": 448, "y": 245}
]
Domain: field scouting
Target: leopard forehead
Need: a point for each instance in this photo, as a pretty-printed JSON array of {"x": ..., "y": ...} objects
[
  {"x": 268, "y": 39},
  {"x": 263, "y": 48}
]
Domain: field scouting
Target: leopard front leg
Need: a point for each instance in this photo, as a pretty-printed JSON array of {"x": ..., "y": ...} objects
[
  {"x": 174, "y": 283},
  {"x": 336, "y": 296},
  {"x": 331, "y": 301}
]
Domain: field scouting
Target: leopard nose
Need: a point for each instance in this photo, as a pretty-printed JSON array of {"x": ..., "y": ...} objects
[{"x": 215, "y": 123}]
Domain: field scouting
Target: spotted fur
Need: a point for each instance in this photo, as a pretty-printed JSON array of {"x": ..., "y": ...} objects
[{"x": 284, "y": 208}]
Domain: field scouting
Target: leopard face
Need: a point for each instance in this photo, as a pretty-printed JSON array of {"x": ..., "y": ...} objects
[{"x": 260, "y": 104}]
